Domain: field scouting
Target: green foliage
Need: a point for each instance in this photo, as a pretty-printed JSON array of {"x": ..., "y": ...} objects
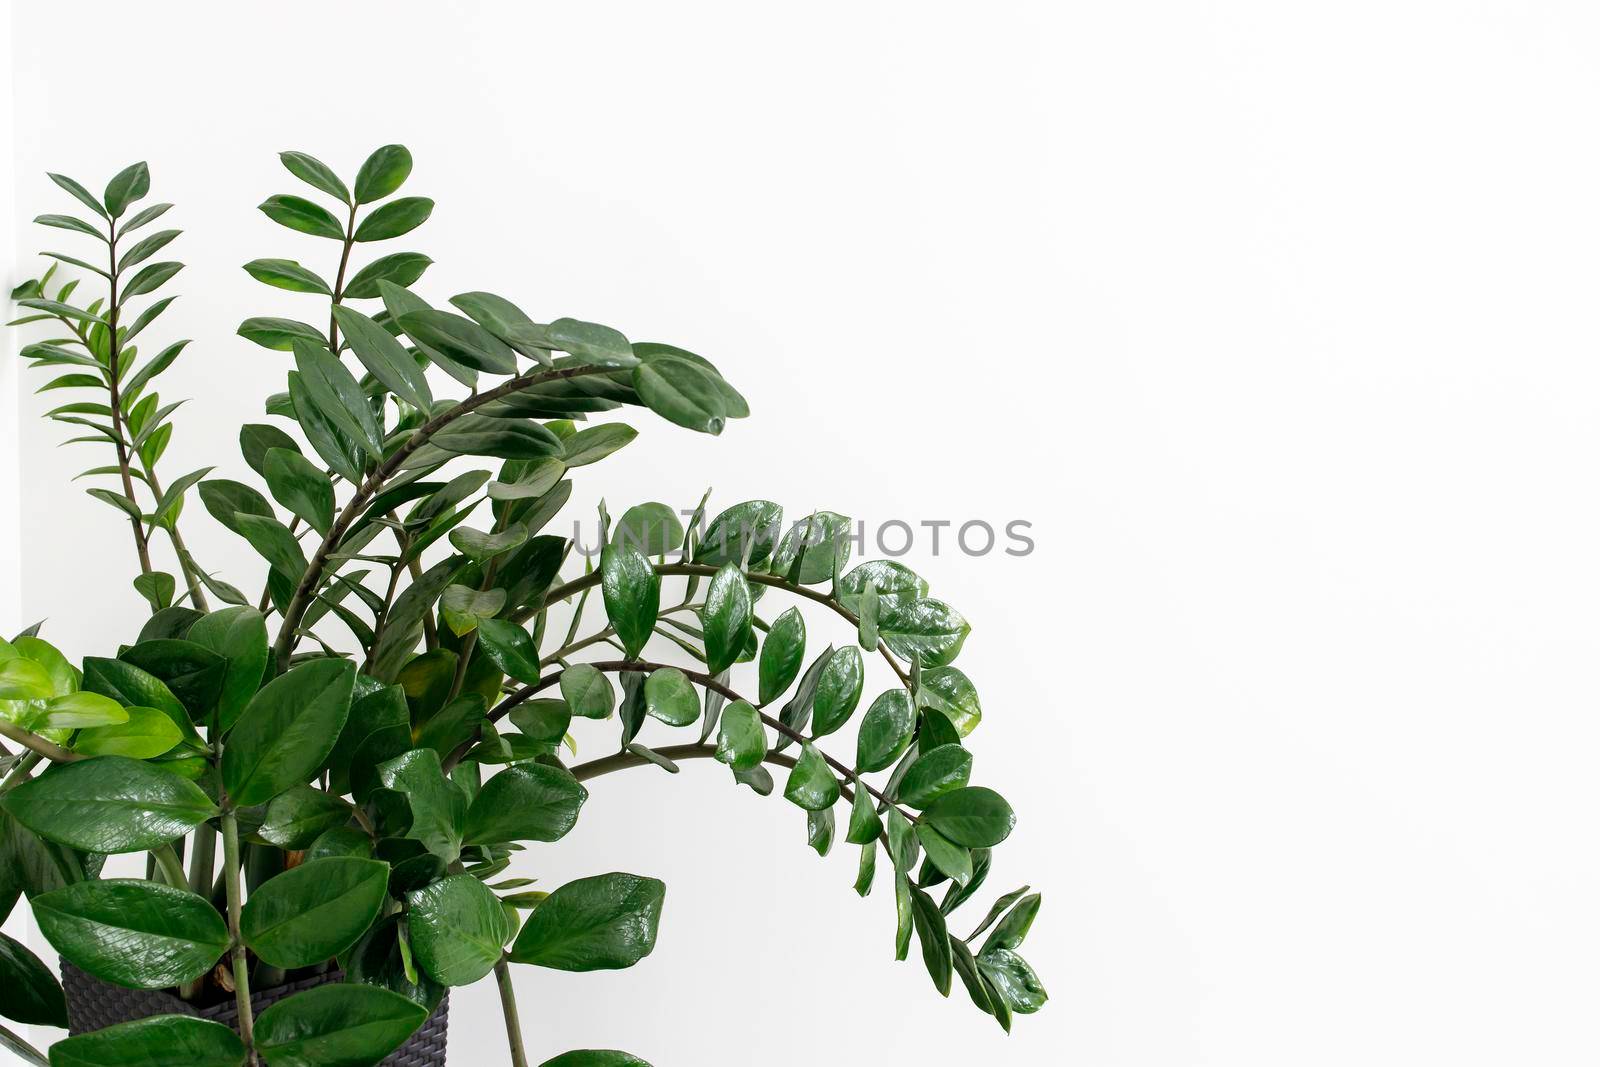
[{"x": 350, "y": 755}]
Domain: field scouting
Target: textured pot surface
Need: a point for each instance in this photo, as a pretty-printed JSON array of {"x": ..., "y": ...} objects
[{"x": 93, "y": 1005}]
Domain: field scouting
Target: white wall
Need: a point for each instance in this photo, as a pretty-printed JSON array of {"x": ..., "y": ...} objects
[{"x": 1275, "y": 320}]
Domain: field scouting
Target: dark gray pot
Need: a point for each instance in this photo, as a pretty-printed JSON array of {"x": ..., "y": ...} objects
[{"x": 94, "y": 1005}]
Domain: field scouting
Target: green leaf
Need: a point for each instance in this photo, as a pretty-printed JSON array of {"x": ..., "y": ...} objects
[
  {"x": 145, "y": 215},
  {"x": 383, "y": 958},
  {"x": 316, "y": 174},
  {"x": 508, "y": 322},
  {"x": 591, "y": 342},
  {"x": 280, "y": 334},
  {"x": 133, "y": 933},
  {"x": 461, "y": 339},
  {"x": 395, "y": 218},
  {"x": 538, "y": 478},
  {"x": 885, "y": 731},
  {"x": 22, "y": 679},
  {"x": 338, "y": 396},
  {"x": 652, "y": 528},
  {"x": 681, "y": 393},
  {"x": 129, "y": 185},
  {"x": 528, "y": 802},
  {"x": 948, "y": 690},
  {"x": 1009, "y": 976},
  {"x": 298, "y": 816},
  {"x": 726, "y": 617},
  {"x": 109, "y": 804},
  {"x": 157, "y": 1041},
  {"x": 934, "y": 938},
  {"x": 820, "y": 827},
  {"x": 888, "y": 577},
  {"x": 464, "y": 607},
  {"x": 239, "y": 636},
  {"x": 340, "y": 1025},
  {"x": 782, "y": 654},
  {"x": 84, "y": 196},
  {"x": 602, "y": 923},
  {"x": 1013, "y": 929},
  {"x": 928, "y": 630},
  {"x": 147, "y": 733},
  {"x": 285, "y": 733},
  {"x": 953, "y": 861},
  {"x": 597, "y": 442},
  {"x": 458, "y": 929},
  {"x": 973, "y": 816},
  {"x": 301, "y": 486},
  {"x": 287, "y": 274},
  {"x": 812, "y": 785},
  {"x": 383, "y": 172},
  {"x": 314, "y": 911},
  {"x": 510, "y": 648},
  {"x": 337, "y": 449},
  {"x": 33, "y": 996},
  {"x": 732, "y": 403},
  {"x": 669, "y": 697},
  {"x": 79, "y": 710},
  {"x": 838, "y": 691},
  {"x": 867, "y": 625},
  {"x": 146, "y": 248},
  {"x": 479, "y": 435},
  {"x": 903, "y": 844},
  {"x": 481, "y": 545},
  {"x": 67, "y": 222},
  {"x": 401, "y": 268},
  {"x": 587, "y": 691},
  {"x": 385, "y": 357},
  {"x": 632, "y": 594},
  {"x": 298, "y": 213},
  {"x": 544, "y": 721},
  {"x": 867, "y": 869},
  {"x": 226, "y": 500},
  {"x": 590, "y": 1057},
  {"x": 438, "y": 806},
  {"x": 865, "y": 826},
  {"x": 814, "y": 549},
  {"x": 742, "y": 739},
  {"x": 935, "y": 773}
]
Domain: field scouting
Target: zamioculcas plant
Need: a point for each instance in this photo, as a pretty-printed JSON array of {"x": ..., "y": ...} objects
[{"x": 333, "y": 778}]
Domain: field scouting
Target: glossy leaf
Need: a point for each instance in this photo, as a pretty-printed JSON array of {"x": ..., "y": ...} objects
[
  {"x": 156, "y": 1041},
  {"x": 342, "y": 1025},
  {"x": 298, "y": 213},
  {"x": 314, "y": 911},
  {"x": 934, "y": 938},
  {"x": 632, "y": 593},
  {"x": 285, "y": 733},
  {"x": 32, "y": 994},
  {"x": 726, "y": 618},
  {"x": 754, "y": 526},
  {"x": 934, "y": 774},
  {"x": 865, "y": 825},
  {"x": 652, "y": 528},
  {"x": 951, "y": 692},
  {"x": 813, "y": 549},
  {"x": 147, "y": 733},
  {"x": 528, "y": 802},
  {"x": 928, "y": 630},
  {"x": 110, "y": 804},
  {"x": 812, "y": 784},
  {"x": 461, "y": 339},
  {"x": 133, "y": 933},
  {"x": 239, "y": 636},
  {"x": 602, "y": 923},
  {"x": 128, "y": 186},
  {"x": 300, "y": 486},
  {"x": 383, "y": 172},
  {"x": 438, "y": 806},
  {"x": 949, "y": 858},
  {"x": 458, "y": 929},
  {"x": 681, "y": 393},
  {"x": 885, "y": 731},
  {"x": 511, "y": 649},
  {"x": 974, "y": 816},
  {"x": 590, "y": 1057},
  {"x": 395, "y": 218},
  {"x": 670, "y": 697},
  {"x": 287, "y": 274},
  {"x": 298, "y": 816},
  {"x": 385, "y": 357},
  {"x": 782, "y": 654},
  {"x": 315, "y": 173},
  {"x": 401, "y": 269},
  {"x": 742, "y": 739}
]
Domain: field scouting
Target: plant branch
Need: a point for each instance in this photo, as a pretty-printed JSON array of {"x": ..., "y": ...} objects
[
  {"x": 241, "y": 965},
  {"x": 508, "y": 1008},
  {"x": 309, "y": 581},
  {"x": 113, "y": 383},
  {"x": 11, "y": 1040},
  {"x": 185, "y": 562},
  {"x": 32, "y": 741}
]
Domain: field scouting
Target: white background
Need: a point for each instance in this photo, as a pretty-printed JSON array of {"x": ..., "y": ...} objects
[{"x": 1276, "y": 321}]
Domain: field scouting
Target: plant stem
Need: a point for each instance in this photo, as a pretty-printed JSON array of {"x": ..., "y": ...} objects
[
  {"x": 19, "y": 773},
  {"x": 113, "y": 383},
  {"x": 48, "y": 749},
  {"x": 508, "y": 1008},
  {"x": 170, "y": 866},
  {"x": 185, "y": 562},
  {"x": 10, "y": 1040},
  {"x": 241, "y": 966},
  {"x": 307, "y": 587}
]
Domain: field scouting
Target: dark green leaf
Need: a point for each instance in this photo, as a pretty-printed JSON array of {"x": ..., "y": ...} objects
[
  {"x": 298, "y": 816},
  {"x": 340, "y": 1025},
  {"x": 383, "y": 172},
  {"x": 813, "y": 549},
  {"x": 602, "y": 923},
  {"x": 287, "y": 274},
  {"x": 150, "y": 278},
  {"x": 934, "y": 774},
  {"x": 33, "y": 995},
  {"x": 529, "y": 802},
  {"x": 632, "y": 593},
  {"x": 239, "y": 636},
  {"x": 782, "y": 654},
  {"x": 928, "y": 630},
  {"x": 84, "y": 196},
  {"x": 157, "y": 1041},
  {"x": 280, "y": 334},
  {"x": 438, "y": 806},
  {"x": 285, "y": 733},
  {"x": 479, "y": 435},
  {"x": 865, "y": 826},
  {"x": 395, "y": 218},
  {"x": 385, "y": 357},
  {"x": 742, "y": 739},
  {"x": 949, "y": 858},
  {"x": 511, "y": 649},
  {"x": 651, "y": 528},
  {"x": 681, "y": 393},
  {"x": 337, "y": 395},
  {"x": 132, "y": 933},
  {"x": 316, "y": 174},
  {"x": 300, "y": 486},
  {"x": 974, "y": 816},
  {"x": 129, "y": 185},
  {"x": 1008, "y": 975},
  {"x": 298, "y": 213},
  {"x": 597, "y": 442},
  {"x": 401, "y": 268},
  {"x": 727, "y": 617},
  {"x": 461, "y": 339},
  {"x": 314, "y": 911},
  {"x": 109, "y": 804},
  {"x": 885, "y": 731},
  {"x": 812, "y": 784},
  {"x": 838, "y": 690},
  {"x": 458, "y": 929},
  {"x": 820, "y": 826},
  {"x": 590, "y": 1057},
  {"x": 935, "y": 940},
  {"x": 949, "y": 691},
  {"x": 669, "y": 697},
  {"x": 508, "y": 322}
]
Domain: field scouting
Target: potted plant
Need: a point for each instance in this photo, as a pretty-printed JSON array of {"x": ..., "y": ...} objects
[{"x": 332, "y": 776}]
